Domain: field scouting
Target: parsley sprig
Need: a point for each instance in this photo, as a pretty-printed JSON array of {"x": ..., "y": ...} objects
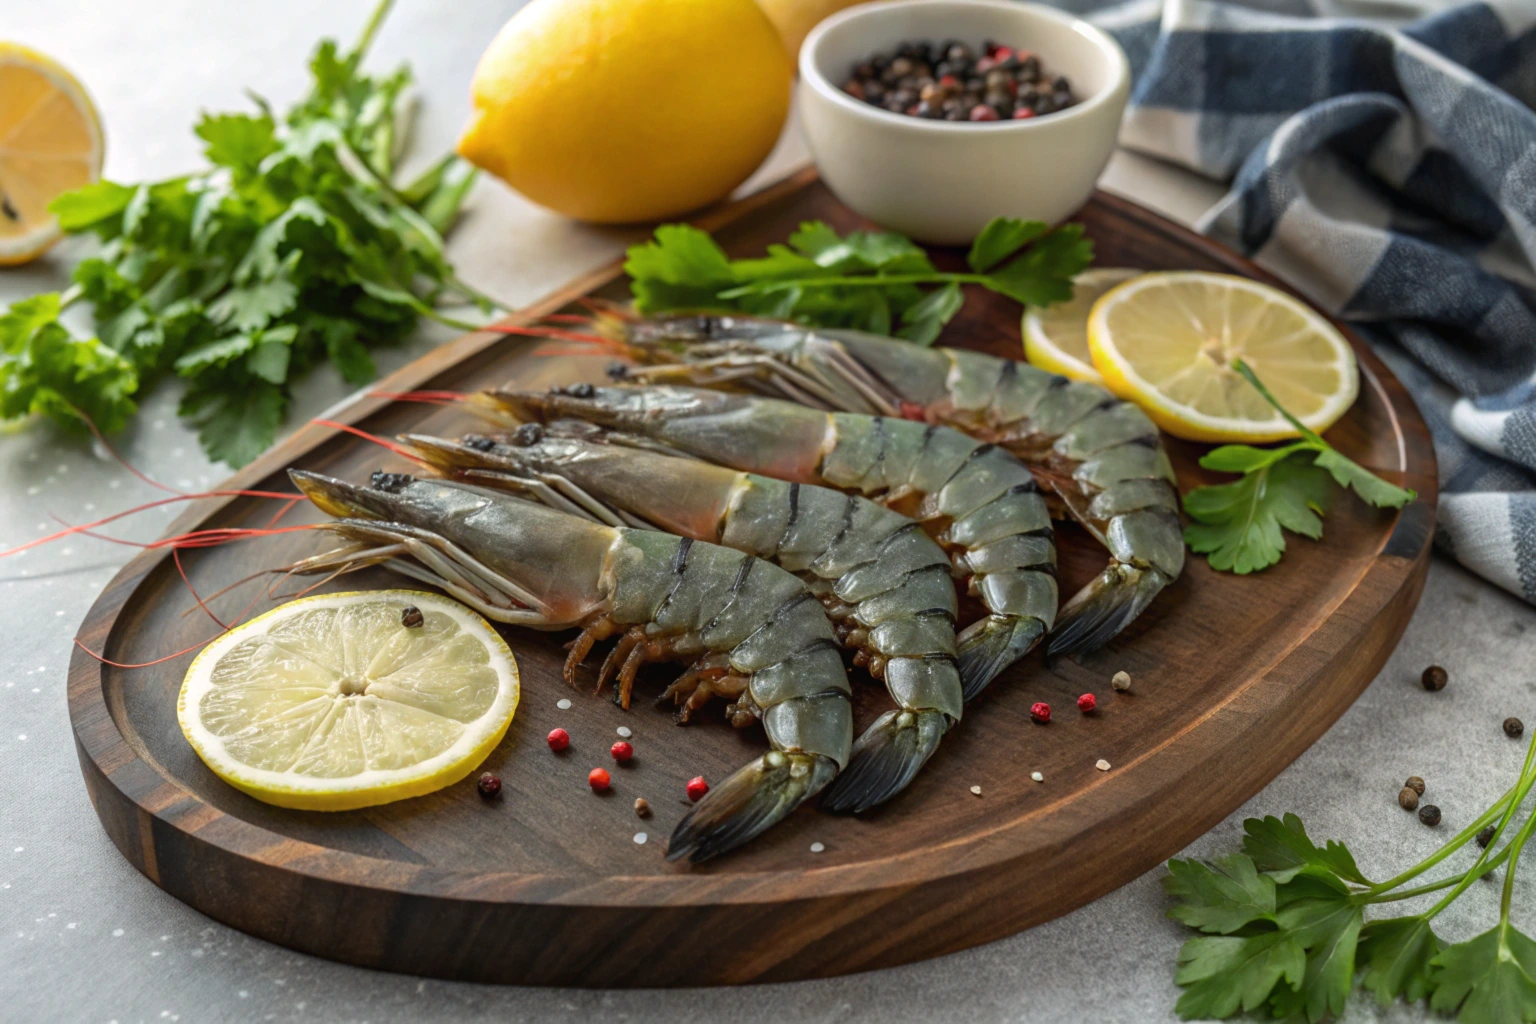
[
  {"x": 1240, "y": 526},
  {"x": 876, "y": 281},
  {"x": 294, "y": 247},
  {"x": 1285, "y": 931}
]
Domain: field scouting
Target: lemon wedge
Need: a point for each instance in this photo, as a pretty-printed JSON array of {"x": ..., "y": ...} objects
[
  {"x": 1056, "y": 337},
  {"x": 1168, "y": 342},
  {"x": 50, "y": 143},
  {"x": 329, "y": 702}
]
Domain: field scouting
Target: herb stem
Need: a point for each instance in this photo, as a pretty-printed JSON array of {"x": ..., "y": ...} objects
[
  {"x": 1513, "y": 849},
  {"x": 71, "y": 295},
  {"x": 370, "y": 30},
  {"x": 474, "y": 294},
  {"x": 1457, "y": 842},
  {"x": 1527, "y": 779},
  {"x": 871, "y": 281},
  {"x": 1444, "y": 883}
]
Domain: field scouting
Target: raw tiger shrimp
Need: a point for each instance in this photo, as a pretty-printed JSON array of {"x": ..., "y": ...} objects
[
  {"x": 886, "y": 583},
  {"x": 1101, "y": 456},
  {"x": 978, "y": 501},
  {"x": 747, "y": 629}
]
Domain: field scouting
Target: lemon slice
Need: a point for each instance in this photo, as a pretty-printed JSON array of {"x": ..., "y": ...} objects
[
  {"x": 50, "y": 143},
  {"x": 1168, "y": 342},
  {"x": 1056, "y": 337},
  {"x": 329, "y": 702}
]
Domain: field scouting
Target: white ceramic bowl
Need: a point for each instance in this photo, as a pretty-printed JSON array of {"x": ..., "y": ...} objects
[{"x": 941, "y": 181}]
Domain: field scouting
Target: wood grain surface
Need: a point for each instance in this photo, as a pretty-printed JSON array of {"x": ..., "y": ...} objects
[{"x": 1233, "y": 678}]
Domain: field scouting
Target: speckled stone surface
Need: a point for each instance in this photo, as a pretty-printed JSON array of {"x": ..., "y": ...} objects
[{"x": 83, "y": 937}]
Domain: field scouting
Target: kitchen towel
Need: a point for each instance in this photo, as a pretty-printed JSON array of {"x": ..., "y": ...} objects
[{"x": 1382, "y": 159}]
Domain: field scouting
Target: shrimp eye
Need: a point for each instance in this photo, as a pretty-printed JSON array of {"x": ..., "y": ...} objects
[
  {"x": 479, "y": 442},
  {"x": 528, "y": 434},
  {"x": 390, "y": 483},
  {"x": 581, "y": 391},
  {"x": 617, "y": 371}
]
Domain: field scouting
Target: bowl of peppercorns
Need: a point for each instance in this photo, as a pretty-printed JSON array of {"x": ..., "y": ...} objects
[{"x": 932, "y": 117}]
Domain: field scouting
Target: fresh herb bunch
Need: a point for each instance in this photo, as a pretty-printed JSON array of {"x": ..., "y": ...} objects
[
  {"x": 1239, "y": 526},
  {"x": 292, "y": 248},
  {"x": 875, "y": 281},
  {"x": 1286, "y": 933}
]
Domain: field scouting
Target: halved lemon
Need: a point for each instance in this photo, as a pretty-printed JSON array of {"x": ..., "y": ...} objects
[
  {"x": 1168, "y": 342},
  {"x": 329, "y": 702},
  {"x": 1056, "y": 337},
  {"x": 50, "y": 143}
]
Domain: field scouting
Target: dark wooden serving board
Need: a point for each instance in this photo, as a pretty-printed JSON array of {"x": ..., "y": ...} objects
[{"x": 1233, "y": 678}]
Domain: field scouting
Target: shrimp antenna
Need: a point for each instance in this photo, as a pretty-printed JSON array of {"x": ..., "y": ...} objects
[{"x": 403, "y": 452}]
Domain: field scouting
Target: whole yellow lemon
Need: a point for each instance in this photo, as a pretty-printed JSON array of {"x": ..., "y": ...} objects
[{"x": 617, "y": 111}]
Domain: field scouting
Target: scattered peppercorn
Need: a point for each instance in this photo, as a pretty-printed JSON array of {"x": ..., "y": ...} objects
[
  {"x": 1513, "y": 727},
  {"x": 558, "y": 740},
  {"x": 1416, "y": 784},
  {"x": 1121, "y": 681},
  {"x": 950, "y": 81},
  {"x": 1429, "y": 814},
  {"x": 1407, "y": 799},
  {"x": 1434, "y": 678},
  {"x": 1087, "y": 702},
  {"x": 622, "y": 752},
  {"x": 1040, "y": 712},
  {"x": 489, "y": 785},
  {"x": 642, "y": 807},
  {"x": 598, "y": 779},
  {"x": 697, "y": 787},
  {"x": 1486, "y": 836}
]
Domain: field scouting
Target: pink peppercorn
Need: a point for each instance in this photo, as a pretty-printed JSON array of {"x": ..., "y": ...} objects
[
  {"x": 1040, "y": 712},
  {"x": 1087, "y": 702},
  {"x": 983, "y": 112},
  {"x": 621, "y": 751},
  {"x": 1022, "y": 113},
  {"x": 697, "y": 787},
  {"x": 558, "y": 739},
  {"x": 598, "y": 779}
]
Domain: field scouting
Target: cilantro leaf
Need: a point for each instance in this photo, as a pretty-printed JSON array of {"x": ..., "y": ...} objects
[
  {"x": 1329, "y": 929},
  {"x": 1487, "y": 980},
  {"x": 1397, "y": 952},
  {"x": 1219, "y": 897},
  {"x": 1282, "y": 848},
  {"x": 1239, "y": 525},
  {"x": 1372, "y": 489},
  {"x": 84, "y": 208},
  {"x": 237, "y": 141},
  {"x": 923, "y": 321},
  {"x": 1222, "y": 974}
]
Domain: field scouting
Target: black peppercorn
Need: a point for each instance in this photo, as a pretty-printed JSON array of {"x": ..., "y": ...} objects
[
  {"x": 1434, "y": 678},
  {"x": 1429, "y": 814},
  {"x": 919, "y": 79},
  {"x": 411, "y": 617},
  {"x": 489, "y": 785},
  {"x": 1486, "y": 836},
  {"x": 1513, "y": 727}
]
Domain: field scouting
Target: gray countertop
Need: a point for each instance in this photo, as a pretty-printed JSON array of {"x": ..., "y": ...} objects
[{"x": 83, "y": 937}]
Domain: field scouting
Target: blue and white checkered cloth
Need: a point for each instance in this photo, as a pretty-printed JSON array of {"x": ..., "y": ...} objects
[{"x": 1382, "y": 158}]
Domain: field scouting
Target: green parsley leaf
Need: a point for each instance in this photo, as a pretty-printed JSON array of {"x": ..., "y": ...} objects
[
  {"x": 1282, "y": 848},
  {"x": 84, "y": 208},
  {"x": 1329, "y": 930},
  {"x": 1487, "y": 980},
  {"x": 1239, "y": 525},
  {"x": 1219, "y": 897},
  {"x": 1397, "y": 952},
  {"x": 47, "y": 371},
  {"x": 1000, "y": 239},
  {"x": 866, "y": 280},
  {"x": 235, "y": 423},
  {"x": 237, "y": 141},
  {"x": 1222, "y": 974}
]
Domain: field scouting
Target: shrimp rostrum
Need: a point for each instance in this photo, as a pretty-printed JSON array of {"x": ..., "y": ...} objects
[
  {"x": 885, "y": 583},
  {"x": 980, "y": 503},
  {"x": 1100, "y": 456},
  {"x": 746, "y": 629}
]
